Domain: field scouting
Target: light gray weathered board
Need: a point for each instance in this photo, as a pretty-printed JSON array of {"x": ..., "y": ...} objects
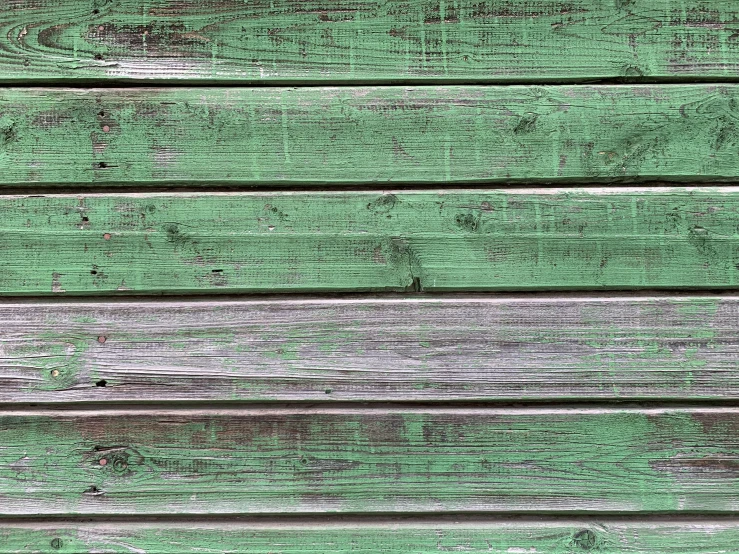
[{"x": 450, "y": 348}]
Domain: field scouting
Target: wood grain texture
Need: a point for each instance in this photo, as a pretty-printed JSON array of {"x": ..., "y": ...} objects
[
  {"x": 363, "y": 135},
  {"x": 549, "y": 239},
  {"x": 604, "y": 536},
  {"x": 453, "y": 348},
  {"x": 369, "y": 460},
  {"x": 371, "y": 40}
]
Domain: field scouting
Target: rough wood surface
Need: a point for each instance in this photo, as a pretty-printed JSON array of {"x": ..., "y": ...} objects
[
  {"x": 360, "y": 241},
  {"x": 363, "y": 135},
  {"x": 454, "y": 348},
  {"x": 371, "y": 40},
  {"x": 604, "y": 536},
  {"x": 369, "y": 460}
]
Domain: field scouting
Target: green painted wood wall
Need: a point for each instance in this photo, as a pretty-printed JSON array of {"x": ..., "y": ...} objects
[{"x": 369, "y": 276}]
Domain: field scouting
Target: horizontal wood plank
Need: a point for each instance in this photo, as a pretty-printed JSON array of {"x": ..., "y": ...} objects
[
  {"x": 356, "y": 241},
  {"x": 363, "y": 135},
  {"x": 369, "y": 460},
  {"x": 381, "y": 41},
  {"x": 604, "y": 536},
  {"x": 453, "y": 348}
]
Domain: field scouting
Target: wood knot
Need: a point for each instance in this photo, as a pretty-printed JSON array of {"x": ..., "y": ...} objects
[{"x": 584, "y": 539}]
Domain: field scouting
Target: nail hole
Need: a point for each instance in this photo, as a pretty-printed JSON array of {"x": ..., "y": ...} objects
[
  {"x": 102, "y": 339},
  {"x": 101, "y": 383},
  {"x": 92, "y": 490},
  {"x": 102, "y": 165},
  {"x": 303, "y": 461},
  {"x": 93, "y": 272},
  {"x": 85, "y": 218},
  {"x": 98, "y": 56},
  {"x": 57, "y": 543},
  {"x": 95, "y": 12},
  {"x": 101, "y": 113}
]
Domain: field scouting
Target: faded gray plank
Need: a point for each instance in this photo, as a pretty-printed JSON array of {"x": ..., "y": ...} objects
[{"x": 449, "y": 348}]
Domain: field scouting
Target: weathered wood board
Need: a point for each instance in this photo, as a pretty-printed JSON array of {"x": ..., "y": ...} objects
[
  {"x": 605, "y": 536},
  {"x": 364, "y": 135},
  {"x": 543, "y": 239},
  {"x": 379, "y": 41},
  {"x": 441, "y": 349},
  {"x": 369, "y": 460}
]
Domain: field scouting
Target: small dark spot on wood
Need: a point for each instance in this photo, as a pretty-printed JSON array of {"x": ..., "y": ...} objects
[
  {"x": 468, "y": 222},
  {"x": 304, "y": 461},
  {"x": 93, "y": 272},
  {"x": 57, "y": 543},
  {"x": 416, "y": 284},
  {"x": 95, "y": 12},
  {"x": 383, "y": 204},
  {"x": 98, "y": 57},
  {"x": 8, "y": 132},
  {"x": 526, "y": 124},
  {"x": 328, "y": 391},
  {"x": 101, "y": 383},
  {"x": 93, "y": 490},
  {"x": 85, "y": 218},
  {"x": 102, "y": 165},
  {"x": 120, "y": 465},
  {"x": 584, "y": 539},
  {"x": 101, "y": 113},
  {"x": 217, "y": 271}
]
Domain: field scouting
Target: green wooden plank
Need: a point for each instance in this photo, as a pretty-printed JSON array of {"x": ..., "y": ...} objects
[
  {"x": 314, "y": 460},
  {"x": 364, "y": 135},
  {"x": 430, "y": 349},
  {"x": 357, "y": 241},
  {"x": 371, "y": 40},
  {"x": 604, "y": 536}
]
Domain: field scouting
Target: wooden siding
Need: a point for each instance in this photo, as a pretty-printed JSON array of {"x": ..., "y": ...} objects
[
  {"x": 369, "y": 276},
  {"x": 363, "y": 135},
  {"x": 511, "y": 536},
  {"x": 298, "y": 42},
  {"x": 453, "y": 348},
  {"x": 369, "y": 460},
  {"x": 548, "y": 239}
]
